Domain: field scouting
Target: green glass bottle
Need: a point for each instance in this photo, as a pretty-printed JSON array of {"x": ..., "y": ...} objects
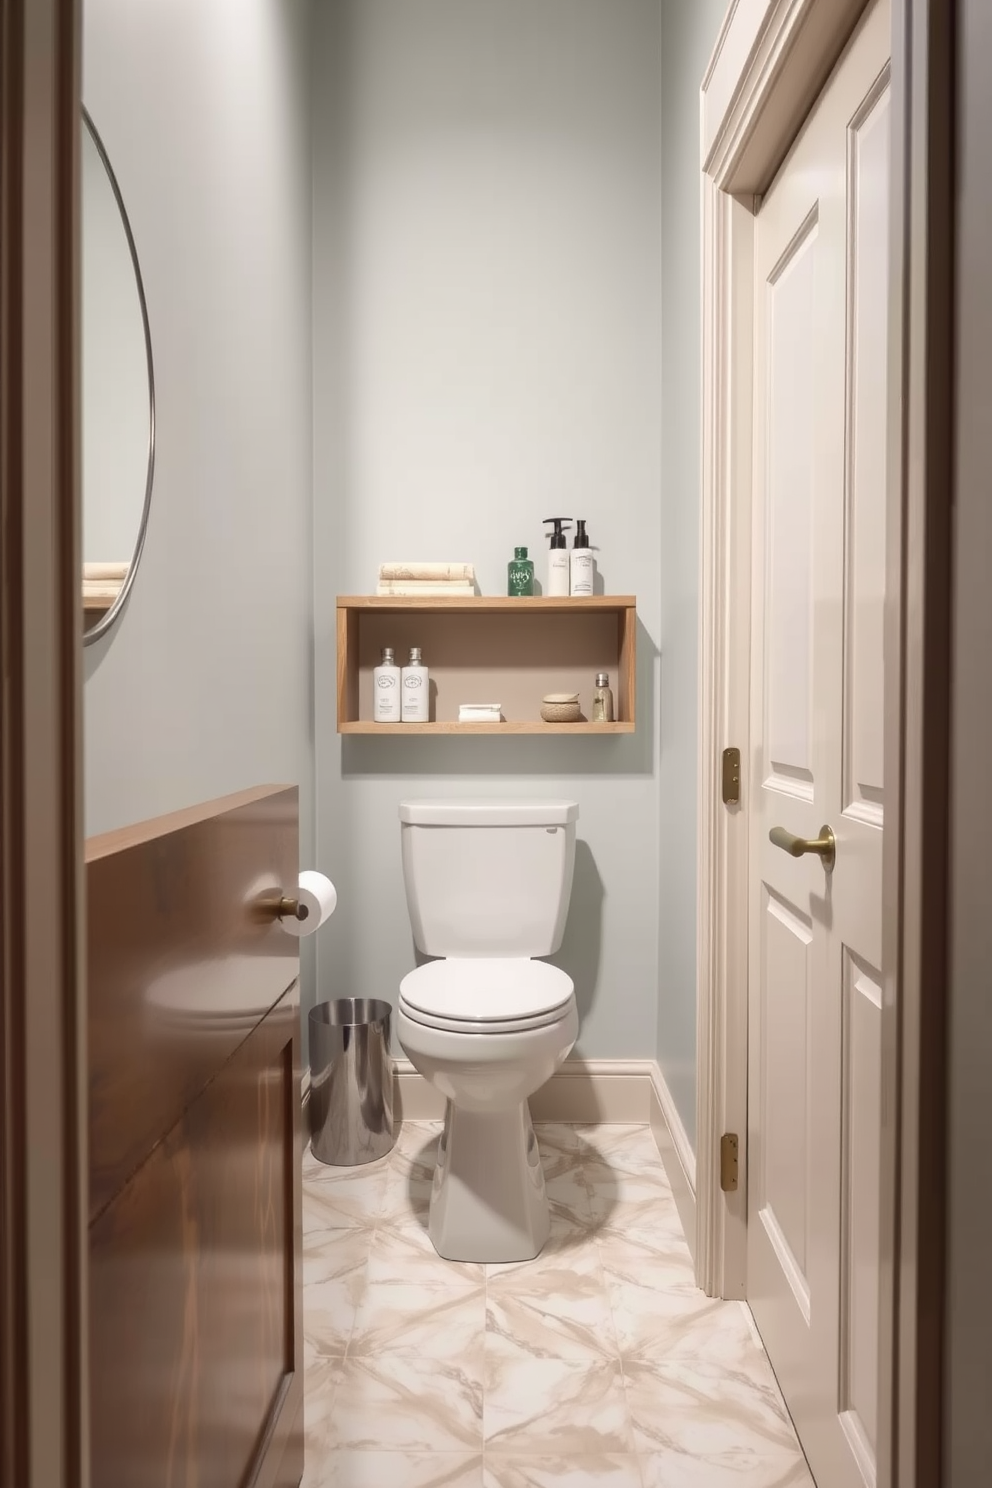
[{"x": 520, "y": 574}]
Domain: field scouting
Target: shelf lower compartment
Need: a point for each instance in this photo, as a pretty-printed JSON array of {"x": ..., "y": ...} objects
[
  {"x": 364, "y": 727},
  {"x": 507, "y": 651}
]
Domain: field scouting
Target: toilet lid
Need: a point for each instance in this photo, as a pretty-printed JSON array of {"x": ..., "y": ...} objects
[{"x": 486, "y": 990}]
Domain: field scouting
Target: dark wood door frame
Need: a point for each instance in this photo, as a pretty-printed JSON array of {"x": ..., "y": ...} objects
[
  {"x": 43, "y": 1410},
  {"x": 917, "y": 709}
]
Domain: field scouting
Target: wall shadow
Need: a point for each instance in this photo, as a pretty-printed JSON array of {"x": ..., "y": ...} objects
[{"x": 582, "y": 946}]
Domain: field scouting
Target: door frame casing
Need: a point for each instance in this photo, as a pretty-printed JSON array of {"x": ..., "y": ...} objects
[
  {"x": 770, "y": 62},
  {"x": 43, "y": 1091}
]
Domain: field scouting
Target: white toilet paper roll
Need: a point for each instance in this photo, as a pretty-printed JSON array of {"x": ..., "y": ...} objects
[{"x": 319, "y": 896}]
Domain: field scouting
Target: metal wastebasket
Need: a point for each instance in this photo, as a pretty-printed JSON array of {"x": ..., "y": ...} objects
[{"x": 351, "y": 1081}]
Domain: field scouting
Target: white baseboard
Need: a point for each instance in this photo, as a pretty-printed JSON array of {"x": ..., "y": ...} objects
[
  {"x": 414, "y": 1098},
  {"x": 594, "y": 1092},
  {"x": 676, "y": 1153}
]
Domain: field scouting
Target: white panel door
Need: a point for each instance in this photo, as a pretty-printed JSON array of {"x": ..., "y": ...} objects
[{"x": 814, "y": 1113}]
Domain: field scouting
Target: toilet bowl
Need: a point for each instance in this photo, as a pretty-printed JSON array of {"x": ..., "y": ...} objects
[{"x": 488, "y": 884}]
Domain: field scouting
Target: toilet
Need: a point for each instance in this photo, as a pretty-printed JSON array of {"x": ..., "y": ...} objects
[{"x": 487, "y": 888}]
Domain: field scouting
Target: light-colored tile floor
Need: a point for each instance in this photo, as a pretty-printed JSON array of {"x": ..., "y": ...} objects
[{"x": 598, "y": 1365}]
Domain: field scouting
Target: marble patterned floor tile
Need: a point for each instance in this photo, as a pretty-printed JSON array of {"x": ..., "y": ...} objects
[
  {"x": 558, "y": 1137},
  {"x": 406, "y": 1191},
  {"x": 631, "y": 1148},
  {"x": 554, "y": 1407},
  {"x": 346, "y": 1203},
  {"x": 608, "y": 1183},
  {"x": 570, "y": 1235},
  {"x": 608, "y": 1470},
  {"x": 660, "y": 1265},
  {"x": 569, "y": 1188},
  {"x": 406, "y": 1404},
  {"x": 674, "y": 1325},
  {"x": 402, "y": 1251},
  {"x": 334, "y": 1282},
  {"x": 330, "y": 1254},
  {"x": 315, "y": 1171},
  {"x": 409, "y": 1131},
  {"x": 561, "y": 1310},
  {"x": 675, "y": 1470},
  {"x": 416, "y": 1146},
  {"x": 406, "y": 1202},
  {"x": 395, "y": 1470},
  {"x": 320, "y": 1383},
  {"x": 625, "y": 1208},
  {"x": 703, "y": 1413},
  {"x": 432, "y": 1322}
]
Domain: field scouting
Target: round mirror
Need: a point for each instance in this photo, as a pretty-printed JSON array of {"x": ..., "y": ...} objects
[{"x": 118, "y": 393}]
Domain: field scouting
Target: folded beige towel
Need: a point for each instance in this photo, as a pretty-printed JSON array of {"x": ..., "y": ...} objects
[
  {"x": 433, "y": 573},
  {"x": 105, "y": 570},
  {"x": 420, "y": 588},
  {"x": 97, "y": 589}
]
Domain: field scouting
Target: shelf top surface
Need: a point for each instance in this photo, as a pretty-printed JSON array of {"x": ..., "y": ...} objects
[
  {"x": 481, "y": 602},
  {"x": 364, "y": 726}
]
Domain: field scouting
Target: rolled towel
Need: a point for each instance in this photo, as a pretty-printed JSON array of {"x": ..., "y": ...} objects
[
  {"x": 105, "y": 570},
  {"x": 434, "y": 573}
]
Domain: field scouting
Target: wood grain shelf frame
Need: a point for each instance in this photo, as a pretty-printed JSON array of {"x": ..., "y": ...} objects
[{"x": 510, "y": 651}]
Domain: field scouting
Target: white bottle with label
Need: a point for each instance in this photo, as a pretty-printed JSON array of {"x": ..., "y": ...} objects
[
  {"x": 558, "y": 567},
  {"x": 386, "y": 689},
  {"x": 416, "y": 690},
  {"x": 582, "y": 563}
]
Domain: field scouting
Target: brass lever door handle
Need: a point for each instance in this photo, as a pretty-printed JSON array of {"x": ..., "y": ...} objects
[{"x": 825, "y": 846}]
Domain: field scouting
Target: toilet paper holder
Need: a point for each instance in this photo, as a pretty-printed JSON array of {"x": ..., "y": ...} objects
[{"x": 280, "y": 907}]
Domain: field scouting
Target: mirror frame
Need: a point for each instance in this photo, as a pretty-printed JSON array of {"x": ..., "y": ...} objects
[{"x": 104, "y": 623}]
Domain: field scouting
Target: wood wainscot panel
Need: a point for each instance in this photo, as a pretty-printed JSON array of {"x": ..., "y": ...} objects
[
  {"x": 195, "y": 1295},
  {"x": 196, "y": 1343},
  {"x": 185, "y": 957}
]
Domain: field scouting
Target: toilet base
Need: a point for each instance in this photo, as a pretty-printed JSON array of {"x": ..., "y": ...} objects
[{"x": 488, "y": 1202}]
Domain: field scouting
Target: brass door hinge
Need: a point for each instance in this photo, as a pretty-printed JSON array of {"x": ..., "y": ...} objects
[
  {"x": 728, "y": 1162},
  {"x": 731, "y": 777}
]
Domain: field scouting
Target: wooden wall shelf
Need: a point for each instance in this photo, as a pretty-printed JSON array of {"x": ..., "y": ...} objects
[{"x": 480, "y": 649}]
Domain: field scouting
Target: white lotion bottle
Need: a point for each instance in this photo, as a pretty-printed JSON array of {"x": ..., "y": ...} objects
[
  {"x": 386, "y": 689},
  {"x": 582, "y": 571},
  {"x": 558, "y": 568},
  {"x": 416, "y": 690}
]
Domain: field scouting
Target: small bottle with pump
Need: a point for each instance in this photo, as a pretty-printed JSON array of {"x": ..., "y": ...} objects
[
  {"x": 582, "y": 572},
  {"x": 520, "y": 575},
  {"x": 386, "y": 689},
  {"x": 416, "y": 690},
  {"x": 602, "y": 699},
  {"x": 558, "y": 570}
]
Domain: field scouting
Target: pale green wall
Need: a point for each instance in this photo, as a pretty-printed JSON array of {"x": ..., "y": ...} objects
[{"x": 689, "y": 30}]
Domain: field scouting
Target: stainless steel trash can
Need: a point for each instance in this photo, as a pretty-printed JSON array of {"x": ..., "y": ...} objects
[{"x": 351, "y": 1081}]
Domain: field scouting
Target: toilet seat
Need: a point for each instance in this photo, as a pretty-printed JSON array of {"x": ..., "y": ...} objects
[{"x": 486, "y": 994}]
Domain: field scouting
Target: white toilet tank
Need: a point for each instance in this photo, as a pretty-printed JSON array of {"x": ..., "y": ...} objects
[{"x": 488, "y": 877}]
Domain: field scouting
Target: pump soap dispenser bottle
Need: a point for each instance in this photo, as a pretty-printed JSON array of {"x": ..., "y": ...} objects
[
  {"x": 386, "y": 689},
  {"x": 583, "y": 564},
  {"x": 558, "y": 570}
]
